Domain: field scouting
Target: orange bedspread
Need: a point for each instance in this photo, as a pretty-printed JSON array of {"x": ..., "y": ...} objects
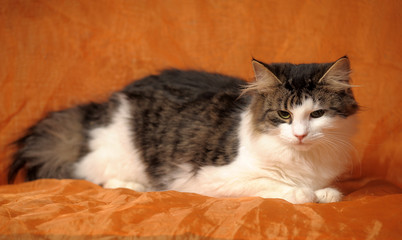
[
  {"x": 71, "y": 208},
  {"x": 54, "y": 54}
]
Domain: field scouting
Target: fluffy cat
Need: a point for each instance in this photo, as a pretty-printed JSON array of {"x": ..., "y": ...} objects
[{"x": 286, "y": 135}]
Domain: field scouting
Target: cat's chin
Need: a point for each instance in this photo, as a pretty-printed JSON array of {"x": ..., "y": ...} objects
[{"x": 302, "y": 146}]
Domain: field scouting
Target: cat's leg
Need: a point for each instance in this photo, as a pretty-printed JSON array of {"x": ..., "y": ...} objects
[
  {"x": 328, "y": 195},
  {"x": 292, "y": 194},
  {"x": 295, "y": 195},
  {"x": 299, "y": 195},
  {"x": 116, "y": 183}
]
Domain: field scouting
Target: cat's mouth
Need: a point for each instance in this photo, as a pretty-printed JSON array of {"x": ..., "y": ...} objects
[{"x": 302, "y": 146}]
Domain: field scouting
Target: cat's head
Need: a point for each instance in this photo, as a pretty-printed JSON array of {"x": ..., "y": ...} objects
[{"x": 303, "y": 105}]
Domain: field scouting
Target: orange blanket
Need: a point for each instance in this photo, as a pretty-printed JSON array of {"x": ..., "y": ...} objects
[
  {"x": 71, "y": 208},
  {"x": 55, "y": 54}
]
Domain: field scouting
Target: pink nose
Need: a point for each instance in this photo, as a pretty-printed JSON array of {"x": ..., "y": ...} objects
[{"x": 300, "y": 137}]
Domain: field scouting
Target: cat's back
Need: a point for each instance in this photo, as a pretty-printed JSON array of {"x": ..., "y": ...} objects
[{"x": 184, "y": 86}]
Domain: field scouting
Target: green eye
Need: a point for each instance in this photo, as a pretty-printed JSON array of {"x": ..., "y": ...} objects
[
  {"x": 284, "y": 114},
  {"x": 317, "y": 114}
]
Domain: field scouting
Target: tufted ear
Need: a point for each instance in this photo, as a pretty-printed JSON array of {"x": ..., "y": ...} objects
[
  {"x": 337, "y": 76},
  {"x": 265, "y": 80},
  {"x": 264, "y": 75}
]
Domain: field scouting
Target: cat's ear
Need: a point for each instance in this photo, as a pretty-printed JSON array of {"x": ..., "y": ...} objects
[
  {"x": 264, "y": 76},
  {"x": 265, "y": 80},
  {"x": 337, "y": 76}
]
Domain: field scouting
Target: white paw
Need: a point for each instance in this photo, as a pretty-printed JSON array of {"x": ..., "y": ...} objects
[
  {"x": 300, "y": 195},
  {"x": 328, "y": 195},
  {"x": 116, "y": 183}
]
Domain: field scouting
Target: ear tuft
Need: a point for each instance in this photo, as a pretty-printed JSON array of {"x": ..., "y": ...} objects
[
  {"x": 265, "y": 80},
  {"x": 337, "y": 76}
]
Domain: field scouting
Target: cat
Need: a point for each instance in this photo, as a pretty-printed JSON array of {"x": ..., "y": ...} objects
[{"x": 285, "y": 135}]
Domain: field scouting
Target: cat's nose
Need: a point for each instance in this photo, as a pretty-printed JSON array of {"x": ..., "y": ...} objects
[{"x": 300, "y": 137}]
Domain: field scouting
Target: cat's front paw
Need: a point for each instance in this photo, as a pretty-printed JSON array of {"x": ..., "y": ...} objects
[
  {"x": 300, "y": 195},
  {"x": 328, "y": 195},
  {"x": 115, "y": 183}
]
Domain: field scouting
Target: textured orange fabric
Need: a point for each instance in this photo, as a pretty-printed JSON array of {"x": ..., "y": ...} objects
[
  {"x": 55, "y": 54},
  {"x": 79, "y": 208}
]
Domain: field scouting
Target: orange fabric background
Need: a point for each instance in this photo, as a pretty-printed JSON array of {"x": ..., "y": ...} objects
[{"x": 55, "y": 54}]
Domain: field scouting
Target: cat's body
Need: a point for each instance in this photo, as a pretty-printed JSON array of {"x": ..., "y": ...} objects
[{"x": 284, "y": 136}]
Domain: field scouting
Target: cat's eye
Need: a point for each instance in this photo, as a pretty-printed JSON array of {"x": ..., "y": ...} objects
[
  {"x": 317, "y": 114},
  {"x": 284, "y": 114}
]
